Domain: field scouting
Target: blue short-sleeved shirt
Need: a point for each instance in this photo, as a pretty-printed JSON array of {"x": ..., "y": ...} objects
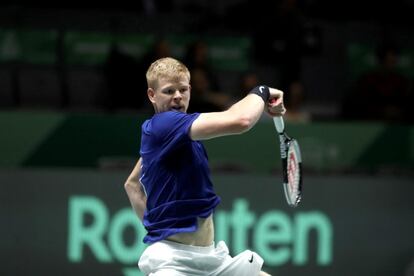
[{"x": 175, "y": 176}]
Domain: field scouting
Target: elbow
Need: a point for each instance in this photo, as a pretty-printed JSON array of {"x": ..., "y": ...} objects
[
  {"x": 244, "y": 124},
  {"x": 241, "y": 120},
  {"x": 128, "y": 185}
]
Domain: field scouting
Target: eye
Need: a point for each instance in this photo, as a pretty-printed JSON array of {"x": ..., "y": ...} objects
[
  {"x": 183, "y": 90},
  {"x": 170, "y": 91}
]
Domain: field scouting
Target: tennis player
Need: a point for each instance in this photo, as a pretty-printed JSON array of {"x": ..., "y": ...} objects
[{"x": 170, "y": 187}]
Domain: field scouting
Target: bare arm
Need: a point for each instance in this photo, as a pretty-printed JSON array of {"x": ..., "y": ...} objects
[
  {"x": 135, "y": 191},
  {"x": 238, "y": 119}
]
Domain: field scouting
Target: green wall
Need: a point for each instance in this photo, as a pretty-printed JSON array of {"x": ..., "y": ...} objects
[{"x": 39, "y": 139}]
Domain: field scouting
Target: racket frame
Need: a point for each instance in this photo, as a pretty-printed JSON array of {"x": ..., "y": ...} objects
[{"x": 286, "y": 144}]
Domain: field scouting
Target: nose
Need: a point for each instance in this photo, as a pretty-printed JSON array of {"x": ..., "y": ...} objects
[{"x": 177, "y": 95}]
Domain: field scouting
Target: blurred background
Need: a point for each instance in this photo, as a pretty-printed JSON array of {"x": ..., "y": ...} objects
[{"x": 73, "y": 98}]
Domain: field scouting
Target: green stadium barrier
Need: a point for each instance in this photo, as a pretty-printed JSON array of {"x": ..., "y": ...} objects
[
  {"x": 28, "y": 46},
  {"x": 36, "y": 139},
  {"x": 92, "y": 48},
  {"x": 362, "y": 58},
  {"x": 224, "y": 53},
  {"x": 82, "y": 48}
]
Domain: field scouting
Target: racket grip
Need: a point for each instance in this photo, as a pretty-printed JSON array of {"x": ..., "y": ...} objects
[{"x": 279, "y": 124}]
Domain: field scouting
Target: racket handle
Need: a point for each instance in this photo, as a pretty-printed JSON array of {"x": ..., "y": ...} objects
[{"x": 279, "y": 124}]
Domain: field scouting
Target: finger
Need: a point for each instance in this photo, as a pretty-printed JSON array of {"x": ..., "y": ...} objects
[
  {"x": 276, "y": 111},
  {"x": 275, "y": 93},
  {"x": 275, "y": 107},
  {"x": 275, "y": 101}
]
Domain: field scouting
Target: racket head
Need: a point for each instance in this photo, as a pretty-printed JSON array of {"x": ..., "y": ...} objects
[{"x": 293, "y": 170}]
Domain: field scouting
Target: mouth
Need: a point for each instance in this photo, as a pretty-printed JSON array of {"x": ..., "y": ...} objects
[{"x": 177, "y": 108}]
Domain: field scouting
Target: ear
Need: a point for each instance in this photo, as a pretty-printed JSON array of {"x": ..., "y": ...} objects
[{"x": 151, "y": 95}]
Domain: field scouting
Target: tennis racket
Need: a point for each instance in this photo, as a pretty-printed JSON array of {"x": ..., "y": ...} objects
[{"x": 291, "y": 164}]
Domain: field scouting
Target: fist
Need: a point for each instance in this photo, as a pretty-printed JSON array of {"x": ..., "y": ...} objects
[{"x": 275, "y": 106}]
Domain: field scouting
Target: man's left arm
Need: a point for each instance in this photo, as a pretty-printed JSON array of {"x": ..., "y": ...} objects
[{"x": 135, "y": 191}]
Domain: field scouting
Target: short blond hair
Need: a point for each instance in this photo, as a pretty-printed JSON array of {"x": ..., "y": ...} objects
[{"x": 166, "y": 68}]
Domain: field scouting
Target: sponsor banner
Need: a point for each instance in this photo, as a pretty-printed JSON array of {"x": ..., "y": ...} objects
[{"x": 74, "y": 222}]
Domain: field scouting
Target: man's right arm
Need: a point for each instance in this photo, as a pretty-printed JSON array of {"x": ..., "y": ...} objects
[
  {"x": 135, "y": 192},
  {"x": 239, "y": 118}
]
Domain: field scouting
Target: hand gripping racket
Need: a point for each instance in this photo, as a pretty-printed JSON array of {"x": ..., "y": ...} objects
[{"x": 291, "y": 164}]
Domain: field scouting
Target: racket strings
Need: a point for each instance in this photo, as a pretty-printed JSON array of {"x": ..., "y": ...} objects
[{"x": 293, "y": 171}]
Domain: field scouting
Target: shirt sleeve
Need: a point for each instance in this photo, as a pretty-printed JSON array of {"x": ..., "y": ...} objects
[{"x": 171, "y": 129}]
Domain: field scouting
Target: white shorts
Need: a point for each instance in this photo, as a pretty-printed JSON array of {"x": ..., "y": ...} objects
[{"x": 176, "y": 259}]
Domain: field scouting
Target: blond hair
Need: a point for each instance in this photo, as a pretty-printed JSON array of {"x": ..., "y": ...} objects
[{"x": 166, "y": 68}]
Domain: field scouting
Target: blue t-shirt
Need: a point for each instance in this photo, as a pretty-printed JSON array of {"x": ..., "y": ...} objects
[{"x": 175, "y": 176}]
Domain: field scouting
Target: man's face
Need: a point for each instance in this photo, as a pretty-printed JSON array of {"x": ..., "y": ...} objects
[{"x": 171, "y": 94}]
